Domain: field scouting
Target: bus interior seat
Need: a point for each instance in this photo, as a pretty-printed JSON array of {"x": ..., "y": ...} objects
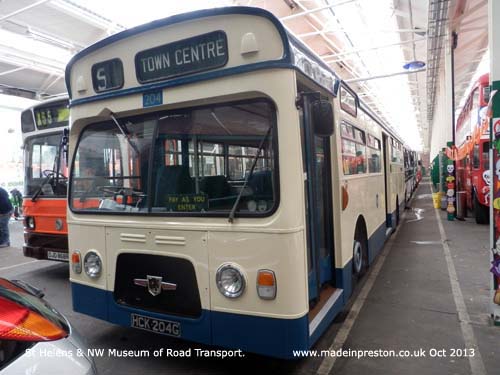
[
  {"x": 215, "y": 186},
  {"x": 261, "y": 183},
  {"x": 172, "y": 180}
]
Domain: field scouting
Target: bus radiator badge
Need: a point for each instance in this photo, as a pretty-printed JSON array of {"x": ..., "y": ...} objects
[{"x": 155, "y": 284}]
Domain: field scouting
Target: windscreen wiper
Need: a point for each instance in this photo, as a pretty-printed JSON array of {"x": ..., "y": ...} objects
[
  {"x": 247, "y": 178},
  {"x": 40, "y": 188},
  {"x": 50, "y": 174},
  {"x": 123, "y": 129}
]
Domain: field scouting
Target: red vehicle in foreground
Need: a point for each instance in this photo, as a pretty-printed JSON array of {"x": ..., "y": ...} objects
[{"x": 471, "y": 155}]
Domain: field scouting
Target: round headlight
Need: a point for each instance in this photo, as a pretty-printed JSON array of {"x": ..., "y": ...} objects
[
  {"x": 92, "y": 264},
  {"x": 30, "y": 221},
  {"x": 230, "y": 281}
]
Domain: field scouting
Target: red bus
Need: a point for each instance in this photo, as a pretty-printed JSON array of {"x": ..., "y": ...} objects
[
  {"x": 44, "y": 127},
  {"x": 472, "y": 140}
]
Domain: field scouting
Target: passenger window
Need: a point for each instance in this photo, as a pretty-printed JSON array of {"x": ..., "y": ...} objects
[
  {"x": 475, "y": 157},
  {"x": 173, "y": 152},
  {"x": 353, "y": 150},
  {"x": 240, "y": 161},
  {"x": 486, "y": 94},
  {"x": 396, "y": 152},
  {"x": 211, "y": 161},
  {"x": 373, "y": 151},
  {"x": 486, "y": 155},
  {"x": 475, "y": 98},
  {"x": 347, "y": 131},
  {"x": 348, "y": 102}
]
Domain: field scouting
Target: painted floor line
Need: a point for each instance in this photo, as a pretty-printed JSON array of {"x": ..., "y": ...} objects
[
  {"x": 18, "y": 265},
  {"x": 341, "y": 337},
  {"x": 475, "y": 361}
]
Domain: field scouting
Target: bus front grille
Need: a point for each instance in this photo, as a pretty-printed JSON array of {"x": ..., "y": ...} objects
[{"x": 137, "y": 278}]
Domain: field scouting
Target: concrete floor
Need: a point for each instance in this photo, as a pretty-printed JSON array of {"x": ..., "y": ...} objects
[
  {"x": 410, "y": 307},
  {"x": 411, "y": 304}
]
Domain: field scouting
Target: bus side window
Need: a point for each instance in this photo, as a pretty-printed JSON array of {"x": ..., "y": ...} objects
[
  {"x": 373, "y": 154},
  {"x": 475, "y": 98},
  {"x": 475, "y": 157},
  {"x": 353, "y": 150},
  {"x": 486, "y": 155}
]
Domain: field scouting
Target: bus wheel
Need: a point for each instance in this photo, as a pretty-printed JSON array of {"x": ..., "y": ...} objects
[
  {"x": 481, "y": 213},
  {"x": 359, "y": 255}
]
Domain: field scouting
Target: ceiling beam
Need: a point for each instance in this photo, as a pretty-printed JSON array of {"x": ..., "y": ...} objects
[
  {"x": 44, "y": 88},
  {"x": 46, "y": 82},
  {"x": 44, "y": 36},
  {"x": 315, "y": 10},
  {"x": 14, "y": 54},
  {"x": 85, "y": 15},
  {"x": 373, "y": 48},
  {"x": 10, "y": 71},
  {"x": 16, "y": 12},
  {"x": 350, "y": 69},
  {"x": 468, "y": 13},
  {"x": 333, "y": 31},
  {"x": 31, "y": 64},
  {"x": 473, "y": 21},
  {"x": 478, "y": 28},
  {"x": 329, "y": 43}
]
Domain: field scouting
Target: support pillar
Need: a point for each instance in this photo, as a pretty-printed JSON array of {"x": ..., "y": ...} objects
[{"x": 494, "y": 47}]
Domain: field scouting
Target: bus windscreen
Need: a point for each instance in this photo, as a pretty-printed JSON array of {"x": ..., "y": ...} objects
[{"x": 188, "y": 161}]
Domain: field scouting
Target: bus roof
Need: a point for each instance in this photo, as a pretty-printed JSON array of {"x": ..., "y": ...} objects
[
  {"x": 46, "y": 116},
  {"x": 49, "y": 101},
  {"x": 295, "y": 55}
]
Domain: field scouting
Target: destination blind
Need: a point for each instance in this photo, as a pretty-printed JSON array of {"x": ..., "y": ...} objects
[
  {"x": 202, "y": 52},
  {"x": 51, "y": 117}
]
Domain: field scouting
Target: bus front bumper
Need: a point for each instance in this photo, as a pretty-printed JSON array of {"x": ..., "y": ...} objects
[
  {"x": 46, "y": 246},
  {"x": 262, "y": 335}
]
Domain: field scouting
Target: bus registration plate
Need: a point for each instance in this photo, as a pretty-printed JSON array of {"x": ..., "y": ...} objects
[
  {"x": 54, "y": 255},
  {"x": 163, "y": 327}
]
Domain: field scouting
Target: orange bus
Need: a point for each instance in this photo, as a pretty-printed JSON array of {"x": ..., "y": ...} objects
[{"x": 45, "y": 130}]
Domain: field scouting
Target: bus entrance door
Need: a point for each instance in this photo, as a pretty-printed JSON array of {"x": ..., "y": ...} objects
[
  {"x": 387, "y": 166},
  {"x": 317, "y": 165}
]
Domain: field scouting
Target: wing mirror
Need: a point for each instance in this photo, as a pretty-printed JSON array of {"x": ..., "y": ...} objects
[{"x": 322, "y": 117}]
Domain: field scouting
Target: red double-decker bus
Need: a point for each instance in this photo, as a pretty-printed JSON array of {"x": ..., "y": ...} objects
[{"x": 472, "y": 140}]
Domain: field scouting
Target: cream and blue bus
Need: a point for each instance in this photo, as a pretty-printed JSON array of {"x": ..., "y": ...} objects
[{"x": 226, "y": 187}]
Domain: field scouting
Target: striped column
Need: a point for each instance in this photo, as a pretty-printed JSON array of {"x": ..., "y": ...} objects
[{"x": 494, "y": 111}]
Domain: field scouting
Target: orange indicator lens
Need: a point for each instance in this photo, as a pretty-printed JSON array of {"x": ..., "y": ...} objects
[{"x": 20, "y": 323}]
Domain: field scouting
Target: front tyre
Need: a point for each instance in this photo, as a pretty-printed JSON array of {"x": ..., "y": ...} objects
[{"x": 359, "y": 256}]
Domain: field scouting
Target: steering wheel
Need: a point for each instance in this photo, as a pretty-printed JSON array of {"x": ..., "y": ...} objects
[
  {"x": 50, "y": 173},
  {"x": 119, "y": 190},
  {"x": 108, "y": 189}
]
